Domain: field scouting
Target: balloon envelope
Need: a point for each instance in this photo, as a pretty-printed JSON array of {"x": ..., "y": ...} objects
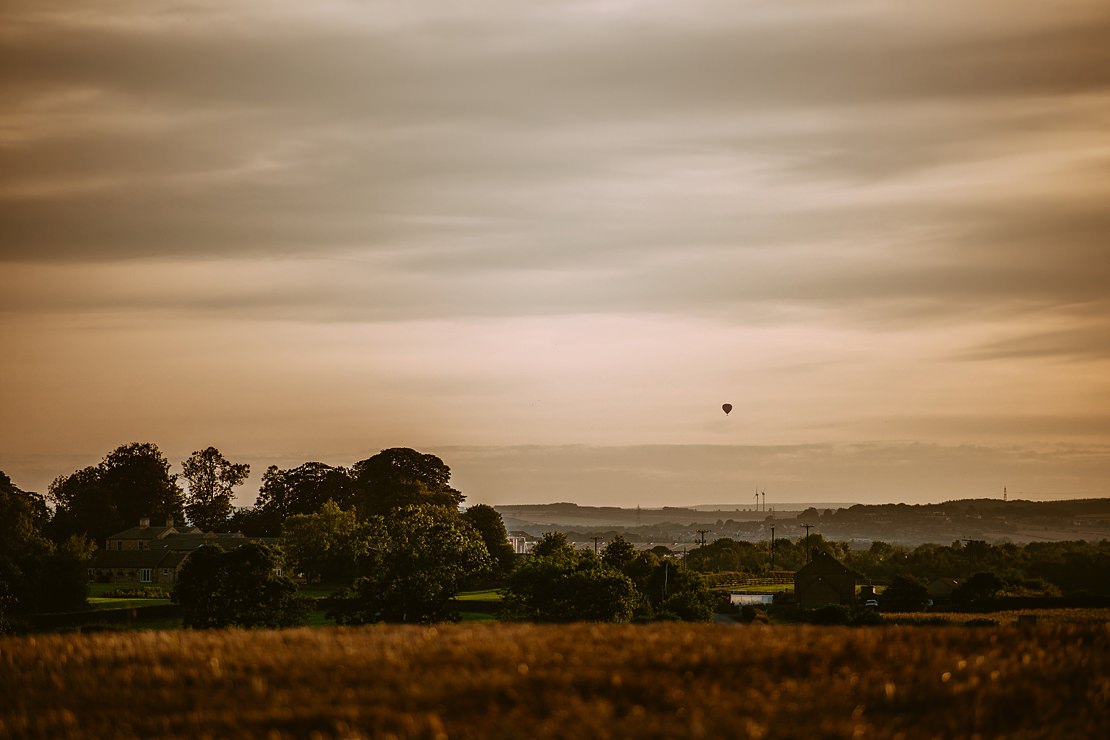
[{"x": 726, "y": 407}]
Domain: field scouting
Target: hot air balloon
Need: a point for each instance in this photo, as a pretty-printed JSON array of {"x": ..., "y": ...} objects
[{"x": 726, "y": 408}]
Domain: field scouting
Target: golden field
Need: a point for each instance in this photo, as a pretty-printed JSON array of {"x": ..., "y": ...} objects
[{"x": 576, "y": 681}]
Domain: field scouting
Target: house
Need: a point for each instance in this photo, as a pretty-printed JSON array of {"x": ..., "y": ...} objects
[
  {"x": 943, "y": 588},
  {"x": 153, "y": 554},
  {"x": 522, "y": 542},
  {"x": 825, "y": 580},
  {"x": 144, "y": 536},
  {"x": 137, "y": 566}
]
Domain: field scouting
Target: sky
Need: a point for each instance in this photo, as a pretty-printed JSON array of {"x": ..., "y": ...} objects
[{"x": 547, "y": 240}]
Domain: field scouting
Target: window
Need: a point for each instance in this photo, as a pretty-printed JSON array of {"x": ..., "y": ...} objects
[
  {"x": 144, "y": 575},
  {"x": 165, "y": 572}
]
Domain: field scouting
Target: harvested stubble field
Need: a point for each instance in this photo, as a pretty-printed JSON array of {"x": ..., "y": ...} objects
[{"x": 526, "y": 681}]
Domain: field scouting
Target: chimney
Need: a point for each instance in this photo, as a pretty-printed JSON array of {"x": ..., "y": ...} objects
[{"x": 144, "y": 522}]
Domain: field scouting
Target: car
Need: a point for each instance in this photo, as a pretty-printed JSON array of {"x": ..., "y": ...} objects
[{"x": 872, "y": 602}]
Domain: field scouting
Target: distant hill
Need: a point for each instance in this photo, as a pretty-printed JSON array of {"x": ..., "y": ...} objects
[{"x": 986, "y": 519}]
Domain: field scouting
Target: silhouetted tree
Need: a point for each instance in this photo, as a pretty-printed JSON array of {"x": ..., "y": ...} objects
[
  {"x": 905, "y": 594},
  {"x": 132, "y": 481},
  {"x": 491, "y": 527},
  {"x": 300, "y": 490},
  {"x": 238, "y": 588},
  {"x": 212, "y": 479},
  {"x": 402, "y": 477},
  {"x": 980, "y": 586},
  {"x": 618, "y": 553},
  {"x": 35, "y": 574}
]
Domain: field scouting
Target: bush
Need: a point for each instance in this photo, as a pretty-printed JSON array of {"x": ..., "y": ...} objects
[
  {"x": 238, "y": 588},
  {"x": 866, "y": 617},
  {"x": 830, "y": 614},
  {"x": 981, "y": 622},
  {"x": 753, "y": 614}
]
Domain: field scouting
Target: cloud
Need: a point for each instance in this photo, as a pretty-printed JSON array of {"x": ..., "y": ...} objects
[
  {"x": 872, "y": 218},
  {"x": 693, "y": 474}
]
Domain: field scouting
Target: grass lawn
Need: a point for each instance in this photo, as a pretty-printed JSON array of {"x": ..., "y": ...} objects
[
  {"x": 98, "y": 603},
  {"x": 489, "y": 594}
]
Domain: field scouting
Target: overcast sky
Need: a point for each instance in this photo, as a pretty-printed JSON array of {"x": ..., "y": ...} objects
[{"x": 547, "y": 240}]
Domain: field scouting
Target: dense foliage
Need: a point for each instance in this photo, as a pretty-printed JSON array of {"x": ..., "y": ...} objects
[
  {"x": 491, "y": 527},
  {"x": 238, "y": 588},
  {"x": 402, "y": 477},
  {"x": 212, "y": 480},
  {"x": 558, "y": 583},
  {"x": 330, "y": 545},
  {"x": 301, "y": 490},
  {"x": 1035, "y": 568},
  {"x": 418, "y": 556},
  {"x": 131, "y": 482},
  {"x": 35, "y": 573}
]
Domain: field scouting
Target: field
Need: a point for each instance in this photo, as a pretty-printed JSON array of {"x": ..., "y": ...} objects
[{"x": 599, "y": 681}]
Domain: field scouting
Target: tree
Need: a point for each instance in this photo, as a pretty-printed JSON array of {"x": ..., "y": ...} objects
[
  {"x": 400, "y": 477},
  {"x": 82, "y": 505},
  {"x": 238, "y": 588},
  {"x": 328, "y": 545},
  {"x": 418, "y": 557},
  {"x": 905, "y": 594},
  {"x": 553, "y": 544},
  {"x": 666, "y": 589},
  {"x": 618, "y": 553},
  {"x": 491, "y": 527},
  {"x": 138, "y": 477},
  {"x": 980, "y": 586},
  {"x": 300, "y": 490},
  {"x": 559, "y": 584},
  {"x": 35, "y": 574},
  {"x": 212, "y": 479},
  {"x": 131, "y": 482}
]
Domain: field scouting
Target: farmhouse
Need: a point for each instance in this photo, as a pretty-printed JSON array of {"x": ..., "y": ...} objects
[
  {"x": 153, "y": 554},
  {"x": 825, "y": 580},
  {"x": 943, "y": 588}
]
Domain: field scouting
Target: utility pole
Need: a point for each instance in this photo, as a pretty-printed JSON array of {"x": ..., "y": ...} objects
[
  {"x": 701, "y": 536},
  {"x": 809, "y": 556},
  {"x": 595, "y": 539},
  {"x": 772, "y": 547},
  {"x": 666, "y": 566}
]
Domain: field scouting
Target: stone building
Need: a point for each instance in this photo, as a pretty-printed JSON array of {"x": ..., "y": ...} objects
[{"x": 825, "y": 580}]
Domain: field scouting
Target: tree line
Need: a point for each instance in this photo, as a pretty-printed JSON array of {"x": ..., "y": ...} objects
[
  {"x": 388, "y": 533},
  {"x": 135, "y": 480},
  {"x": 1034, "y": 568}
]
